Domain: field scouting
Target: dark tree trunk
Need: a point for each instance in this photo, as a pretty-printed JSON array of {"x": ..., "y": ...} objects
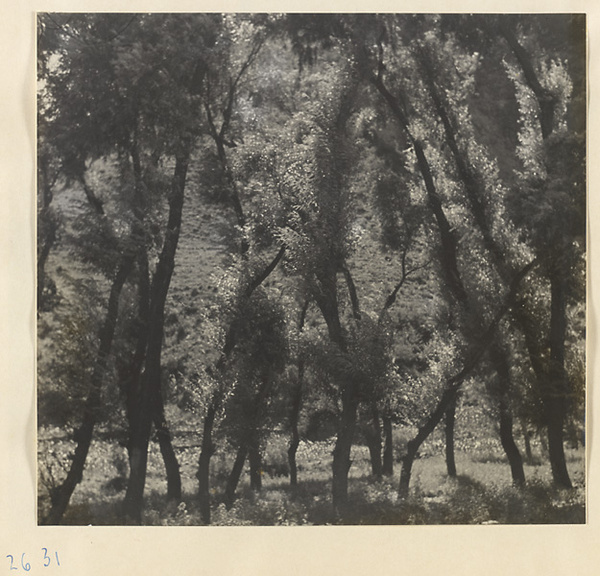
[
  {"x": 235, "y": 475},
  {"x": 500, "y": 361},
  {"x": 388, "y": 448},
  {"x": 508, "y": 443},
  {"x": 556, "y": 396},
  {"x": 151, "y": 378},
  {"x": 372, "y": 431},
  {"x": 527, "y": 441},
  {"x": 168, "y": 453},
  {"x": 255, "y": 461},
  {"x": 449, "y": 432},
  {"x": 556, "y": 389},
  {"x": 83, "y": 436},
  {"x": 341, "y": 452},
  {"x": 413, "y": 445},
  {"x": 206, "y": 453}
]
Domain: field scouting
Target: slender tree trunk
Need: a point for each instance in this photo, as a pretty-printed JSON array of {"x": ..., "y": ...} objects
[
  {"x": 449, "y": 433},
  {"x": 151, "y": 378},
  {"x": 83, "y": 436},
  {"x": 235, "y": 475},
  {"x": 372, "y": 431},
  {"x": 388, "y": 448}
]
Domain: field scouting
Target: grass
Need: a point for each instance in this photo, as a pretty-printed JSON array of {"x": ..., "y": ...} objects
[{"x": 481, "y": 494}]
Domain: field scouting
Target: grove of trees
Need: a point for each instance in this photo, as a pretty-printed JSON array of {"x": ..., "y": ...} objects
[{"x": 341, "y": 230}]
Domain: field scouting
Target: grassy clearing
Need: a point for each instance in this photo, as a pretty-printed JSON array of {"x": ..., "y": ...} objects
[{"x": 481, "y": 494}]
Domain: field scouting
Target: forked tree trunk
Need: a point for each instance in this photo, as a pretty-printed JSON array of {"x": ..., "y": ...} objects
[
  {"x": 388, "y": 447},
  {"x": 151, "y": 377},
  {"x": 449, "y": 434},
  {"x": 132, "y": 383},
  {"x": 83, "y": 436},
  {"x": 424, "y": 431}
]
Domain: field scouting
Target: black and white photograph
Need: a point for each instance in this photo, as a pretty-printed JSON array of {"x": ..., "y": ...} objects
[{"x": 300, "y": 269}]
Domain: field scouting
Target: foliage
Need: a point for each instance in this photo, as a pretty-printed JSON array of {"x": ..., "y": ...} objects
[{"x": 346, "y": 173}]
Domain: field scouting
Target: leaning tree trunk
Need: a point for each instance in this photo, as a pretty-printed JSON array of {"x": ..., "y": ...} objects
[
  {"x": 388, "y": 447},
  {"x": 168, "y": 453},
  {"x": 453, "y": 385},
  {"x": 62, "y": 495},
  {"x": 235, "y": 475},
  {"x": 151, "y": 378},
  {"x": 448, "y": 397},
  {"x": 449, "y": 433}
]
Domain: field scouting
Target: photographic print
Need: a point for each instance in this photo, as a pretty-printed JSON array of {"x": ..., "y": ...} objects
[{"x": 311, "y": 269}]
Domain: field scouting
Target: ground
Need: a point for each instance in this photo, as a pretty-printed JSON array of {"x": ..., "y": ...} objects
[{"x": 481, "y": 494}]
